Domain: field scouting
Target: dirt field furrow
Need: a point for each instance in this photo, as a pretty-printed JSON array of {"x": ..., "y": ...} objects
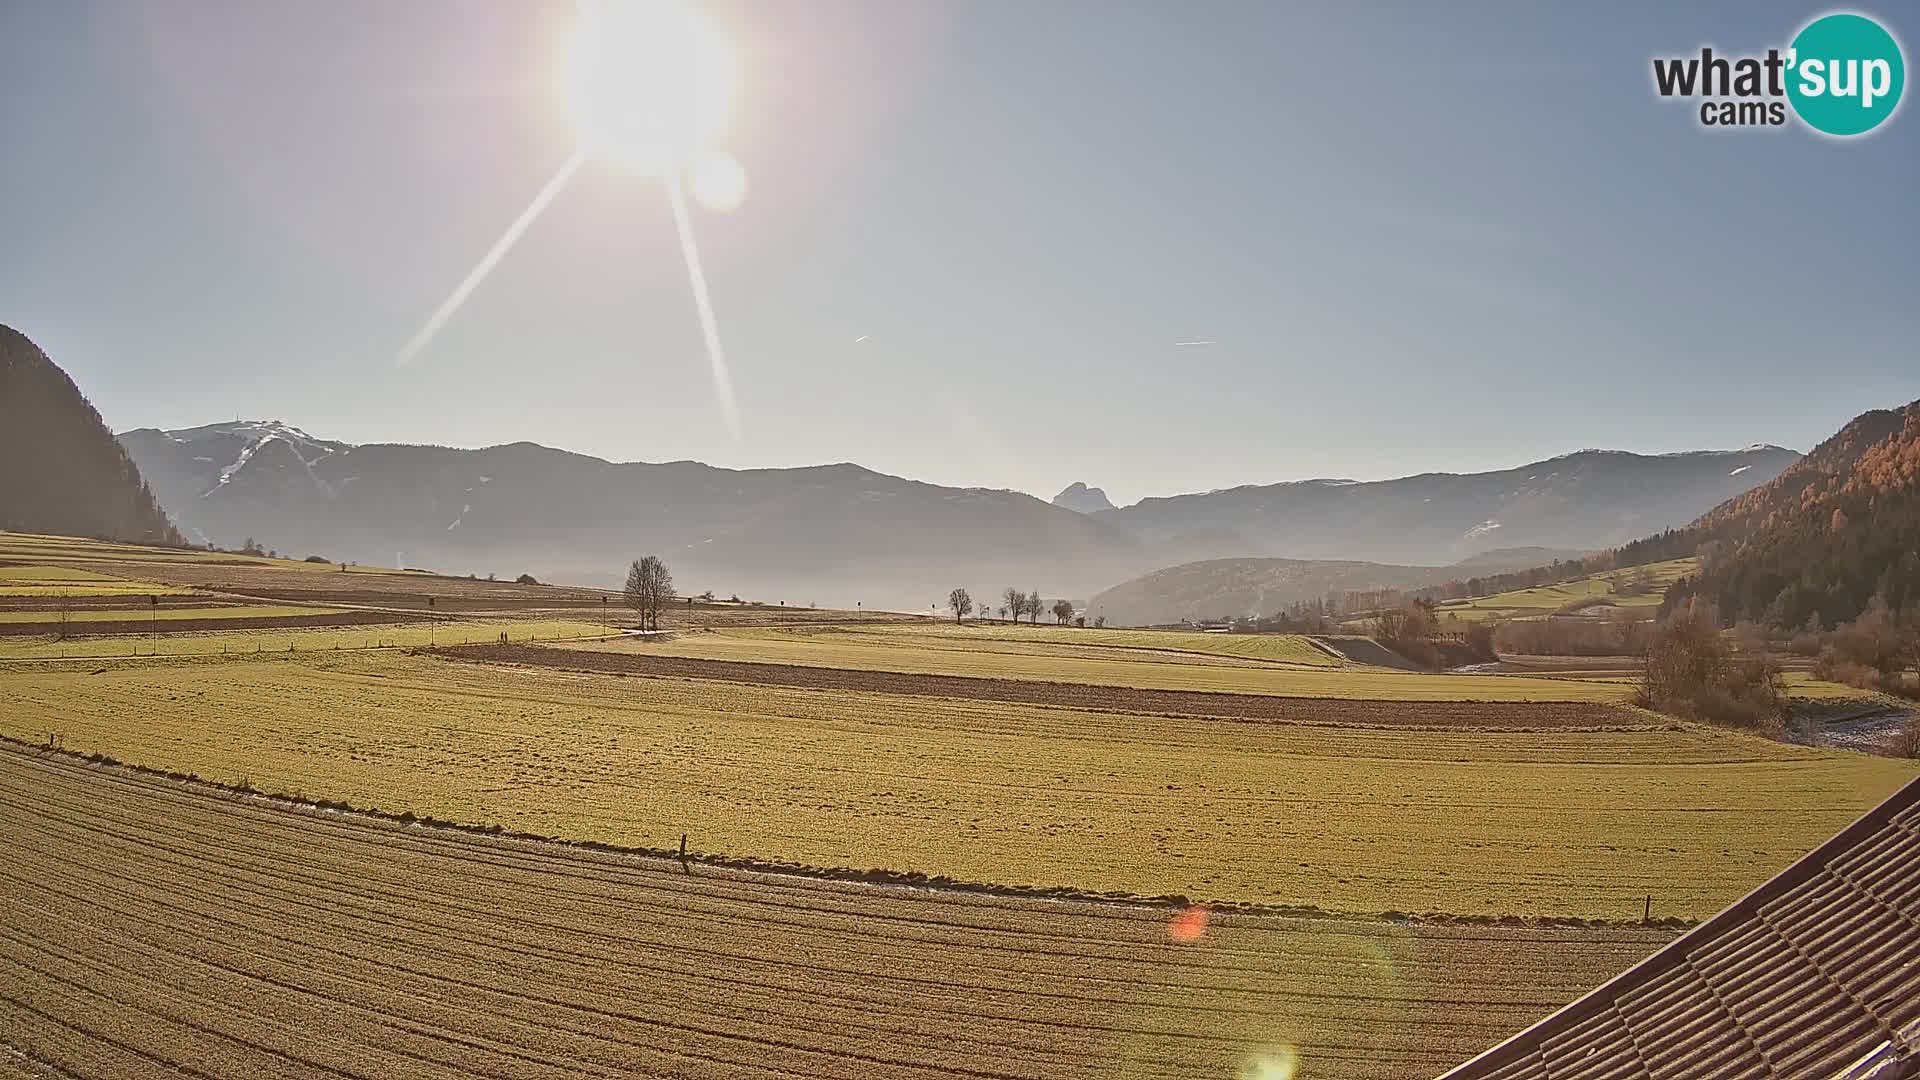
[
  {"x": 1271, "y": 707},
  {"x": 988, "y": 1022},
  {"x": 266, "y": 941}
]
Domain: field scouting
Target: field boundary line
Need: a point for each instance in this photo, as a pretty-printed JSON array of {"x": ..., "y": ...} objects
[
  {"x": 879, "y": 877},
  {"x": 1255, "y": 708}
]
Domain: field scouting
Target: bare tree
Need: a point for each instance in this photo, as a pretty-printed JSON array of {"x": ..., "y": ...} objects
[
  {"x": 636, "y": 590},
  {"x": 1062, "y": 611},
  {"x": 1003, "y": 611},
  {"x": 649, "y": 587},
  {"x": 1034, "y": 607},
  {"x": 960, "y": 603},
  {"x": 1016, "y": 603},
  {"x": 660, "y": 587}
]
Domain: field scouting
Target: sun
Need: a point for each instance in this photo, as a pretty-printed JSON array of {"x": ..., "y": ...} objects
[{"x": 650, "y": 84}]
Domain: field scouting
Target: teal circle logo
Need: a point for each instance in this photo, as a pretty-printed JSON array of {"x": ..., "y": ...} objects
[{"x": 1845, "y": 74}]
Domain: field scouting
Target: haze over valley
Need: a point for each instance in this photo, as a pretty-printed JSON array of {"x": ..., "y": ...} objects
[
  {"x": 958, "y": 540},
  {"x": 842, "y": 534}
]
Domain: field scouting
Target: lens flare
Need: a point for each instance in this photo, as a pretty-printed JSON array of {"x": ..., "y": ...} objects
[
  {"x": 709, "y": 328},
  {"x": 1189, "y": 924},
  {"x": 491, "y": 259},
  {"x": 1274, "y": 1063},
  {"x": 718, "y": 182}
]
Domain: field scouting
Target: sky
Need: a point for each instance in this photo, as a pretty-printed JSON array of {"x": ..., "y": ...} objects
[{"x": 1419, "y": 237}]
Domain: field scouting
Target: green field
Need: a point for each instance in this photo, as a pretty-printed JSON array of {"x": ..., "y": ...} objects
[
  {"x": 1353, "y": 819},
  {"x": 1602, "y": 588}
]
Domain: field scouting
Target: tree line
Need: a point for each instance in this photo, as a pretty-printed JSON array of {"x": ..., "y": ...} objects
[{"x": 1015, "y": 604}]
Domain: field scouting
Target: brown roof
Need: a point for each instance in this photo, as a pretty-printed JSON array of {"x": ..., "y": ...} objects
[{"x": 1814, "y": 974}]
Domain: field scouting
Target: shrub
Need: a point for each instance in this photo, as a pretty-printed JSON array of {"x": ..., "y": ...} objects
[
  {"x": 526, "y": 579},
  {"x": 1480, "y": 641},
  {"x": 1623, "y": 633},
  {"x": 1905, "y": 743},
  {"x": 1872, "y": 652},
  {"x": 1692, "y": 671}
]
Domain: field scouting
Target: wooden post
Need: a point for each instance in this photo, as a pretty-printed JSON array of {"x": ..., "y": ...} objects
[{"x": 1647, "y": 915}]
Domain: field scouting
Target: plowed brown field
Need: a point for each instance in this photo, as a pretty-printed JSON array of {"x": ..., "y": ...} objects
[{"x": 149, "y": 927}]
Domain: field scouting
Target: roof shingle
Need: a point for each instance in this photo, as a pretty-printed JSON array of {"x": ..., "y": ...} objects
[{"x": 1814, "y": 975}]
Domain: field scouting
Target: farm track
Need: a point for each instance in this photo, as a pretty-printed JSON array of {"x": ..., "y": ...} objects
[
  {"x": 1270, "y": 707},
  {"x": 149, "y": 926}
]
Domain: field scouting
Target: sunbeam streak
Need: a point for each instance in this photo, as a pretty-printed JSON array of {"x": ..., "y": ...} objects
[
  {"x": 722, "y": 383},
  {"x": 493, "y": 256}
]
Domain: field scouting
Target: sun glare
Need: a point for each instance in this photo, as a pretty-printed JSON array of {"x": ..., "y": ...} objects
[
  {"x": 717, "y": 182},
  {"x": 650, "y": 84}
]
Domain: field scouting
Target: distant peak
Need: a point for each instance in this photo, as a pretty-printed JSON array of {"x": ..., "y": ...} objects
[{"x": 1081, "y": 499}]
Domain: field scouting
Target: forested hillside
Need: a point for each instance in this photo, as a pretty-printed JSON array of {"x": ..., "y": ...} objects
[
  {"x": 60, "y": 469},
  {"x": 1822, "y": 539}
]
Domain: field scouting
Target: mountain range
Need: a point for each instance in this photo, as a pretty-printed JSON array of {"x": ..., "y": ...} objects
[
  {"x": 832, "y": 534},
  {"x": 1584, "y": 500},
  {"x": 842, "y": 534}
]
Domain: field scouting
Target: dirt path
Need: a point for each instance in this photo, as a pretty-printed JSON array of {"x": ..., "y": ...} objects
[{"x": 1448, "y": 714}]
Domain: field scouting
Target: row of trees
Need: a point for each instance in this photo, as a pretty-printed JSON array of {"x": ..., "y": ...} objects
[{"x": 1017, "y": 604}]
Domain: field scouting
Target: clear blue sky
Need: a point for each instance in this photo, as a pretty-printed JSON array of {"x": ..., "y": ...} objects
[{"x": 1423, "y": 237}]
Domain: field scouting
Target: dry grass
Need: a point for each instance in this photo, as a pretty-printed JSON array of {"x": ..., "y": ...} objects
[
  {"x": 990, "y": 656},
  {"x": 150, "y": 925},
  {"x": 165, "y": 614},
  {"x": 1474, "y": 822},
  {"x": 1280, "y": 648},
  {"x": 299, "y": 640}
]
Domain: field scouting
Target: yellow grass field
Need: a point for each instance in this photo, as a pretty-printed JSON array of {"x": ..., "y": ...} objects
[
  {"x": 993, "y": 656},
  {"x": 149, "y": 925},
  {"x": 34, "y": 580},
  {"x": 299, "y": 639},
  {"x": 164, "y": 614},
  {"x": 1581, "y": 823},
  {"x": 1280, "y": 648}
]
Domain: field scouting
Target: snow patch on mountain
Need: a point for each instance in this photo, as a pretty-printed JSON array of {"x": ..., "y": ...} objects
[{"x": 252, "y": 436}]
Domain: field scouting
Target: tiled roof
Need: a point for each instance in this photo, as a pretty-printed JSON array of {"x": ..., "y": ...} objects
[{"x": 1815, "y": 974}]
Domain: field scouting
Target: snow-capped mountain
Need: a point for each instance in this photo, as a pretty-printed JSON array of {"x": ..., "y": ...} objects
[
  {"x": 195, "y": 464},
  {"x": 841, "y": 533},
  {"x": 831, "y": 533}
]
